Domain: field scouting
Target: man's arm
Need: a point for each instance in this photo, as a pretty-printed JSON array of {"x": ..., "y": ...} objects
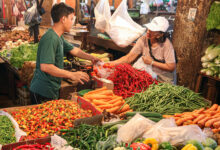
[{"x": 57, "y": 72}]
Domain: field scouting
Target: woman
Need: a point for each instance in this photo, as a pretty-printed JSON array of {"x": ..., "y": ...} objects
[{"x": 156, "y": 50}]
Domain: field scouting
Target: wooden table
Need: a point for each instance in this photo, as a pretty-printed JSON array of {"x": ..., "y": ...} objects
[
  {"x": 107, "y": 44},
  {"x": 209, "y": 87}
]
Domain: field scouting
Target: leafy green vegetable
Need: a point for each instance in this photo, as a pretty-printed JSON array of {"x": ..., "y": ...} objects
[{"x": 213, "y": 20}]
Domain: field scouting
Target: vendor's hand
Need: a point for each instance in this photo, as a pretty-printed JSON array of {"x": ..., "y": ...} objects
[
  {"x": 95, "y": 60},
  {"x": 79, "y": 76},
  {"x": 147, "y": 59}
]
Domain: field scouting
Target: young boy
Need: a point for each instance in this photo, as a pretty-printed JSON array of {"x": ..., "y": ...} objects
[{"x": 49, "y": 71}]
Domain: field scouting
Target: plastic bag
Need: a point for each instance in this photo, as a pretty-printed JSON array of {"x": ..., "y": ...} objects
[
  {"x": 102, "y": 71},
  {"x": 121, "y": 28},
  {"x": 15, "y": 10},
  {"x": 102, "y": 14},
  {"x": 139, "y": 64},
  {"x": 134, "y": 128},
  {"x": 167, "y": 131},
  {"x": 18, "y": 132},
  {"x": 145, "y": 9},
  {"x": 29, "y": 14},
  {"x": 59, "y": 143}
]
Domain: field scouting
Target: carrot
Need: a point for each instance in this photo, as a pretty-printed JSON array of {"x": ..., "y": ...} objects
[
  {"x": 203, "y": 121},
  {"x": 200, "y": 110},
  {"x": 182, "y": 120},
  {"x": 130, "y": 110},
  {"x": 115, "y": 100},
  {"x": 216, "y": 124},
  {"x": 98, "y": 96},
  {"x": 215, "y": 130},
  {"x": 168, "y": 116},
  {"x": 126, "y": 107},
  {"x": 214, "y": 107},
  {"x": 200, "y": 117},
  {"x": 218, "y": 109},
  {"x": 211, "y": 121},
  {"x": 118, "y": 103},
  {"x": 178, "y": 115},
  {"x": 96, "y": 91},
  {"x": 107, "y": 106},
  {"x": 113, "y": 109},
  {"x": 99, "y": 102},
  {"x": 106, "y": 92}
]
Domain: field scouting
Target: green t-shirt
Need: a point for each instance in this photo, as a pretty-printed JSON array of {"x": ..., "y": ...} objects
[{"x": 51, "y": 50}]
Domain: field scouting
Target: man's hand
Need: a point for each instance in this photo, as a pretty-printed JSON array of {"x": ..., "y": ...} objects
[
  {"x": 95, "y": 60},
  {"x": 147, "y": 59},
  {"x": 79, "y": 76}
]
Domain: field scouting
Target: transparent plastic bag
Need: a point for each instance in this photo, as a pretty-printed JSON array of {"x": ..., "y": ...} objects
[
  {"x": 121, "y": 28},
  {"x": 139, "y": 64},
  {"x": 18, "y": 132},
  {"x": 103, "y": 72},
  {"x": 134, "y": 128},
  {"x": 29, "y": 14},
  {"x": 102, "y": 14},
  {"x": 167, "y": 131}
]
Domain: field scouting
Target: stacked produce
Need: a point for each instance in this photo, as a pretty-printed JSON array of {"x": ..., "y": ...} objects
[
  {"x": 128, "y": 80},
  {"x": 211, "y": 61},
  {"x": 213, "y": 20},
  {"x": 15, "y": 36},
  {"x": 209, "y": 117},
  {"x": 104, "y": 99},
  {"x": 165, "y": 98},
  {"x": 27, "y": 72},
  {"x": 9, "y": 44},
  {"x": 7, "y": 131},
  {"x": 104, "y": 57},
  {"x": 18, "y": 55},
  {"x": 47, "y": 118}
]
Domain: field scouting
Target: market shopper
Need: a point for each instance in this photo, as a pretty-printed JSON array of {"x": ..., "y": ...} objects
[
  {"x": 49, "y": 71},
  {"x": 156, "y": 50}
]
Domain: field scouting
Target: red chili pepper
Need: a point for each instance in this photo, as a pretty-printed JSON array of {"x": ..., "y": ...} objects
[{"x": 142, "y": 146}]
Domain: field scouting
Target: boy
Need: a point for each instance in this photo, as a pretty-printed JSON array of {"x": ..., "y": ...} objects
[{"x": 49, "y": 71}]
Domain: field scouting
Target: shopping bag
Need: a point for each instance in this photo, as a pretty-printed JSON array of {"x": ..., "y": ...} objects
[
  {"x": 121, "y": 28},
  {"x": 102, "y": 14},
  {"x": 145, "y": 9},
  {"x": 139, "y": 64}
]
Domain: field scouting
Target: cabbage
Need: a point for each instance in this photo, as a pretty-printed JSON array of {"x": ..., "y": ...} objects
[{"x": 213, "y": 20}]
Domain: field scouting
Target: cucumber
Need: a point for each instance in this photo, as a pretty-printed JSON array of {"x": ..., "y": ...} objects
[
  {"x": 154, "y": 119},
  {"x": 145, "y": 114},
  {"x": 83, "y": 92}
]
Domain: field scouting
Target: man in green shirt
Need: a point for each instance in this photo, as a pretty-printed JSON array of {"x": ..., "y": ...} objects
[{"x": 49, "y": 71}]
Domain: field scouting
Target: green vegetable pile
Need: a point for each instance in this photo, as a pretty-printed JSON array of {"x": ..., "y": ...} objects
[
  {"x": 7, "y": 131},
  {"x": 213, "y": 20},
  {"x": 211, "y": 61},
  {"x": 18, "y": 55},
  {"x": 90, "y": 137},
  {"x": 165, "y": 98}
]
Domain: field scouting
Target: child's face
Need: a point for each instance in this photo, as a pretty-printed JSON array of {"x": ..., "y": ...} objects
[{"x": 68, "y": 22}]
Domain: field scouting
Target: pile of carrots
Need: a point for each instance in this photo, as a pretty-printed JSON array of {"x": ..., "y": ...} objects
[
  {"x": 104, "y": 99},
  {"x": 209, "y": 117}
]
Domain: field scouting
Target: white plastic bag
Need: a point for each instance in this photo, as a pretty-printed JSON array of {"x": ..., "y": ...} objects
[
  {"x": 18, "y": 132},
  {"x": 102, "y": 14},
  {"x": 139, "y": 64},
  {"x": 134, "y": 128},
  {"x": 15, "y": 10},
  {"x": 121, "y": 28},
  {"x": 30, "y": 13},
  {"x": 167, "y": 131},
  {"x": 59, "y": 143},
  {"x": 145, "y": 9},
  {"x": 103, "y": 72}
]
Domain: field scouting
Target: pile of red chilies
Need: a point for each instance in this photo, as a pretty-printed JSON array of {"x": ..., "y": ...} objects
[
  {"x": 128, "y": 80},
  {"x": 46, "y": 146}
]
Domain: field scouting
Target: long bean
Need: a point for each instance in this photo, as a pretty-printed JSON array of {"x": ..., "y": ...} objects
[{"x": 165, "y": 98}]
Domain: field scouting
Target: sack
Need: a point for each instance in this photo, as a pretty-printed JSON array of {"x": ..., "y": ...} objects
[
  {"x": 121, "y": 28},
  {"x": 102, "y": 14},
  {"x": 134, "y": 128},
  {"x": 139, "y": 64},
  {"x": 18, "y": 132}
]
